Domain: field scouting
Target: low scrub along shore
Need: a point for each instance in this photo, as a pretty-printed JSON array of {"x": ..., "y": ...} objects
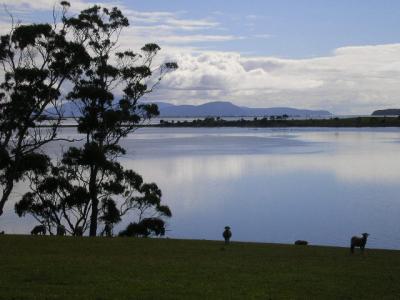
[
  {"x": 285, "y": 122},
  {"x": 132, "y": 268},
  {"x": 276, "y": 122}
]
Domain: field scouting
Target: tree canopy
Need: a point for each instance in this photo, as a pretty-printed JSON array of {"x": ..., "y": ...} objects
[
  {"x": 88, "y": 185},
  {"x": 36, "y": 60}
]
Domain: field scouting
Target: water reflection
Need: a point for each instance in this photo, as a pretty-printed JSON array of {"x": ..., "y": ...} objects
[{"x": 271, "y": 185}]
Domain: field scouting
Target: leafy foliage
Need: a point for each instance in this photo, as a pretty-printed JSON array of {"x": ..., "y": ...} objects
[
  {"x": 106, "y": 119},
  {"x": 89, "y": 185},
  {"x": 36, "y": 60},
  {"x": 145, "y": 228},
  {"x": 62, "y": 197}
]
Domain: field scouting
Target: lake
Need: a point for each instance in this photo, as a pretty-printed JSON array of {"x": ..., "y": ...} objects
[{"x": 268, "y": 185}]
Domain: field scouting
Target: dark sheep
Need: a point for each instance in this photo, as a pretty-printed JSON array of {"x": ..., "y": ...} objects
[
  {"x": 61, "y": 230},
  {"x": 39, "y": 229},
  {"x": 301, "y": 242},
  {"x": 357, "y": 241},
  {"x": 227, "y": 234}
]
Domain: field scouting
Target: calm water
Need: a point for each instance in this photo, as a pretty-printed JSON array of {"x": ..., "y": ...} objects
[{"x": 269, "y": 185}]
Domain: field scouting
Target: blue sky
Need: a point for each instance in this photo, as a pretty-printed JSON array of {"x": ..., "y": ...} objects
[
  {"x": 340, "y": 55},
  {"x": 297, "y": 28}
]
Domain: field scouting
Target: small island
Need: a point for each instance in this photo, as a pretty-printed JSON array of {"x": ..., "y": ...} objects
[{"x": 387, "y": 112}]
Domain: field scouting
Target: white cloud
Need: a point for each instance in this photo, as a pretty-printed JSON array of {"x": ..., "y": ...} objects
[
  {"x": 192, "y": 24},
  {"x": 262, "y": 36},
  {"x": 355, "y": 79},
  {"x": 252, "y": 17},
  {"x": 25, "y": 4},
  {"x": 351, "y": 80},
  {"x": 194, "y": 38},
  {"x": 169, "y": 28}
]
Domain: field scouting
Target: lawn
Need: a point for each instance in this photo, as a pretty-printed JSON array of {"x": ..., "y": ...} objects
[{"x": 128, "y": 268}]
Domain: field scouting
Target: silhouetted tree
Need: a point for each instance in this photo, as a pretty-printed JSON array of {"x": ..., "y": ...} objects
[
  {"x": 105, "y": 119},
  {"x": 36, "y": 60},
  {"x": 88, "y": 185},
  {"x": 61, "y": 198},
  {"x": 56, "y": 198},
  {"x": 145, "y": 228}
]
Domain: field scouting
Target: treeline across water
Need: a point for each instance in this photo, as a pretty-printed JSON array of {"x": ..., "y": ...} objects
[{"x": 283, "y": 121}]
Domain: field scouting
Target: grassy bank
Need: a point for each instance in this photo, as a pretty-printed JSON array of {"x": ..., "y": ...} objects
[{"x": 127, "y": 268}]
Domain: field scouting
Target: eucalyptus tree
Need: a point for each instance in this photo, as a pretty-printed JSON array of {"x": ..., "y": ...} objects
[
  {"x": 107, "y": 97},
  {"x": 36, "y": 60}
]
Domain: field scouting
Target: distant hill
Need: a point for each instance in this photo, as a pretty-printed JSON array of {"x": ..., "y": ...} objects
[
  {"x": 227, "y": 109},
  {"x": 387, "y": 112},
  {"x": 214, "y": 109}
]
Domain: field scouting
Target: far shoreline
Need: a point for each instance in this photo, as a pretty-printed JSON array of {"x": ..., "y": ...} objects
[{"x": 264, "y": 122}]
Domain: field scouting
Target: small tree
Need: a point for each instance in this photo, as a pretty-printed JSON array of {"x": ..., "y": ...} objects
[
  {"x": 36, "y": 60},
  {"x": 145, "y": 228}
]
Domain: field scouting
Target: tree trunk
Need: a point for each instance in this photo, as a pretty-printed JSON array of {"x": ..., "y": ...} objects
[
  {"x": 95, "y": 202},
  {"x": 6, "y": 193}
]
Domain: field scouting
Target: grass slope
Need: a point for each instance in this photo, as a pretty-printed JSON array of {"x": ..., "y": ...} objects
[{"x": 128, "y": 268}]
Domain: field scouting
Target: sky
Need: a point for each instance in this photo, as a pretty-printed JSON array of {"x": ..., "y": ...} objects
[{"x": 342, "y": 55}]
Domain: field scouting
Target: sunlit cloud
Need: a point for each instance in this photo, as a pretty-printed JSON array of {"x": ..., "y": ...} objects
[{"x": 351, "y": 80}]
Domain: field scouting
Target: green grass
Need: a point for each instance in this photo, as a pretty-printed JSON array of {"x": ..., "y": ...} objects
[{"x": 127, "y": 268}]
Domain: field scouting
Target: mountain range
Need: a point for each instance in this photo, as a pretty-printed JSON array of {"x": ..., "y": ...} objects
[
  {"x": 215, "y": 109},
  {"x": 227, "y": 109}
]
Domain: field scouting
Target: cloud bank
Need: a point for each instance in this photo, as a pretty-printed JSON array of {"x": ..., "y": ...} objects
[{"x": 351, "y": 80}]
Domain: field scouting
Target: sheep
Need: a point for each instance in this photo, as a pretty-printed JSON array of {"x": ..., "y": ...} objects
[
  {"x": 2, "y": 232},
  {"x": 357, "y": 241},
  {"x": 301, "y": 242},
  {"x": 227, "y": 234},
  {"x": 61, "y": 230},
  {"x": 39, "y": 229}
]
